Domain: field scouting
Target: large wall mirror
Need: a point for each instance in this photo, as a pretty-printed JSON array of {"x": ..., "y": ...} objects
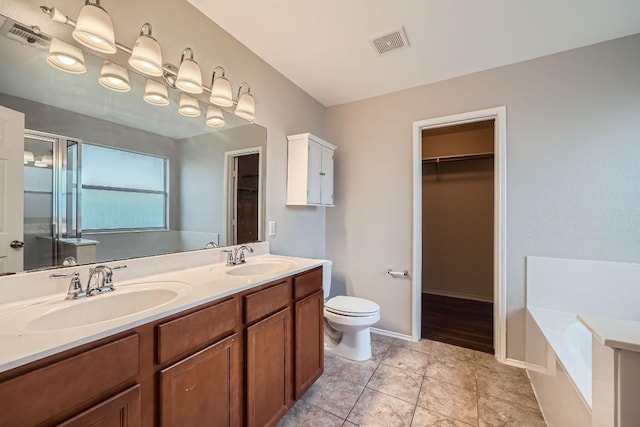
[{"x": 108, "y": 176}]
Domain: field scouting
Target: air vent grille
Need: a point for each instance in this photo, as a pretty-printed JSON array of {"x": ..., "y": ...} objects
[
  {"x": 23, "y": 34},
  {"x": 390, "y": 42}
]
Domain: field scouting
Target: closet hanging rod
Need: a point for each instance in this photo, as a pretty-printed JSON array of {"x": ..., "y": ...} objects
[{"x": 457, "y": 157}]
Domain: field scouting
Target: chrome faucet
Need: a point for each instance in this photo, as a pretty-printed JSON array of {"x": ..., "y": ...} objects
[
  {"x": 237, "y": 257},
  {"x": 211, "y": 245},
  {"x": 100, "y": 281}
]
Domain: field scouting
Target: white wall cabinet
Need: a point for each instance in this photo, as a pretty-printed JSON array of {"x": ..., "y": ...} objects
[{"x": 309, "y": 171}]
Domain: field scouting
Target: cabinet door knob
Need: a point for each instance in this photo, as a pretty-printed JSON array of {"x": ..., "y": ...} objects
[{"x": 322, "y": 174}]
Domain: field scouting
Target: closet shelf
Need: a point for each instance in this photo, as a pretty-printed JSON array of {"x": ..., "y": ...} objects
[
  {"x": 458, "y": 157},
  {"x": 455, "y": 158}
]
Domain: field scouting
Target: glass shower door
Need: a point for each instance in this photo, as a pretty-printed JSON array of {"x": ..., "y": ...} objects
[
  {"x": 51, "y": 197},
  {"x": 40, "y": 248}
]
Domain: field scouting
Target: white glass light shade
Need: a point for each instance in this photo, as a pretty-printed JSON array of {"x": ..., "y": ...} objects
[
  {"x": 28, "y": 157},
  {"x": 221, "y": 92},
  {"x": 189, "y": 106},
  {"x": 156, "y": 93},
  {"x": 114, "y": 77},
  {"x": 246, "y": 107},
  {"x": 189, "y": 79},
  {"x": 65, "y": 57},
  {"x": 215, "y": 118},
  {"x": 94, "y": 29},
  {"x": 146, "y": 56}
]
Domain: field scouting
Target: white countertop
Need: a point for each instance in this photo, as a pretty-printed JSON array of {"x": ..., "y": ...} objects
[
  {"x": 616, "y": 333},
  {"x": 19, "y": 346}
]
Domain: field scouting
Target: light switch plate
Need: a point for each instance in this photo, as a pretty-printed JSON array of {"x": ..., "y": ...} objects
[{"x": 272, "y": 228}]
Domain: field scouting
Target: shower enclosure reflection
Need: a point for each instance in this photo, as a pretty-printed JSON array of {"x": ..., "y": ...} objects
[{"x": 51, "y": 213}]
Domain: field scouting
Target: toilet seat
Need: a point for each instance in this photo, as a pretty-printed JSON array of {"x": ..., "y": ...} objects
[{"x": 351, "y": 306}]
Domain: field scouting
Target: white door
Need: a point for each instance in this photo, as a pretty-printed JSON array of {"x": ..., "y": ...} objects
[
  {"x": 327, "y": 176},
  {"x": 11, "y": 189},
  {"x": 314, "y": 179}
]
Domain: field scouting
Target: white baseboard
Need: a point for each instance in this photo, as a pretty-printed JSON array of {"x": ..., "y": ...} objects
[
  {"x": 457, "y": 295},
  {"x": 537, "y": 368},
  {"x": 391, "y": 334},
  {"x": 516, "y": 363}
]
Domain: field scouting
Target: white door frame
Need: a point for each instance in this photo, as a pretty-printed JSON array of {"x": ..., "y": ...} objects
[
  {"x": 499, "y": 114},
  {"x": 228, "y": 158}
]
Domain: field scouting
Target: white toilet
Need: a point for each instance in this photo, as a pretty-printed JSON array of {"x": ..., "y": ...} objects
[{"x": 346, "y": 323}]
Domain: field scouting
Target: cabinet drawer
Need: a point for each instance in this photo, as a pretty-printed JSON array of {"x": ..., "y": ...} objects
[
  {"x": 307, "y": 283},
  {"x": 193, "y": 331},
  {"x": 262, "y": 303},
  {"x": 69, "y": 384},
  {"x": 122, "y": 409}
]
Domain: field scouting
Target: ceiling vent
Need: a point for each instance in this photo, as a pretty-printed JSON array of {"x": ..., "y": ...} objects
[
  {"x": 390, "y": 42},
  {"x": 24, "y": 34}
]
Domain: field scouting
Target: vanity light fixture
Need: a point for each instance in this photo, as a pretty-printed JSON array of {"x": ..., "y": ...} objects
[
  {"x": 65, "y": 57},
  {"x": 28, "y": 157},
  {"x": 221, "y": 93},
  {"x": 146, "y": 56},
  {"x": 156, "y": 93},
  {"x": 215, "y": 118},
  {"x": 189, "y": 78},
  {"x": 114, "y": 77},
  {"x": 188, "y": 106},
  {"x": 94, "y": 28},
  {"x": 246, "y": 107}
]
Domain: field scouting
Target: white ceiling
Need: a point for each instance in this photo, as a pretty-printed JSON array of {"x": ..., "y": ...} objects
[{"x": 323, "y": 46}]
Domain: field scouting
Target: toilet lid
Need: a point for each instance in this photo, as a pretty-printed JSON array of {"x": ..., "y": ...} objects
[{"x": 351, "y": 305}]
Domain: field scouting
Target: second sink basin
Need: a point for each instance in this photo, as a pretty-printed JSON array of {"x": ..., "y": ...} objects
[
  {"x": 256, "y": 268},
  {"x": 122, "y": 302}
]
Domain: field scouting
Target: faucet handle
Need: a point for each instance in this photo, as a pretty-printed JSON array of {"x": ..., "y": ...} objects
[
  {"x": 75, "y": 287},
  {"x": 230, "y": 257}
]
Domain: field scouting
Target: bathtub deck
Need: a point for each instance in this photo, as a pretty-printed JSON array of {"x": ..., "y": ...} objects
[{"x": 456, "y": 321}]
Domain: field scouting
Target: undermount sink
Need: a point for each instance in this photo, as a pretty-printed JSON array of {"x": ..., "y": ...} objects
[
  {"x": 256, "y": 268},
  {"x": 101, "y": 308}
]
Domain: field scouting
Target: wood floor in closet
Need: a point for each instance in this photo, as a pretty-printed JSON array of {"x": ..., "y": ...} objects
[{"x": 457, "y": 321}]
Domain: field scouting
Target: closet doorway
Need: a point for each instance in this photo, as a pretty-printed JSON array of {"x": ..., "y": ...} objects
[
  {"x": 243, "y": 215},
  {"x": 497, "y": 116},
  {"x": 457, "y": 234}
]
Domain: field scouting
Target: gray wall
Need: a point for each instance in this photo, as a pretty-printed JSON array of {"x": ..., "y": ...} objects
[
  {"x": 573, "y": 181},
  {"x": 202, "y": 168}
]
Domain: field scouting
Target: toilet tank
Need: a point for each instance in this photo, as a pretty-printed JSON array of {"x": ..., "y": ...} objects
[{"x": 326, "y": 278}]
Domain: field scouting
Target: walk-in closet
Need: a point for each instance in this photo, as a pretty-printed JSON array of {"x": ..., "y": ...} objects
[{"x": 458, "y": 234}]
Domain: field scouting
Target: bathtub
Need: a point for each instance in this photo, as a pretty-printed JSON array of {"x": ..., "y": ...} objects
[
  {"x": 570, "y": 342},
  {"x": 582, "y": 338},
  {"x": 559, "y": 362}
]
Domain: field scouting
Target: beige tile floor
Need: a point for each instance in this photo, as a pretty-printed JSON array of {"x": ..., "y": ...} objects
[{"x": 417, "y": 384}]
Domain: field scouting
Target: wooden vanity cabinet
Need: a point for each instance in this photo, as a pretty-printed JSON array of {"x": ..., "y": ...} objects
[
  {"x": 204, "y": 378},
  {"x": 122, "y": 410},
  {"x": 81, "y": 382},
  {"x": 309, "y": 330},
  {"x": 268, "y": 354},
  {"x": 242, "y": 360},
  {"x": 204, "y": 386}
]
